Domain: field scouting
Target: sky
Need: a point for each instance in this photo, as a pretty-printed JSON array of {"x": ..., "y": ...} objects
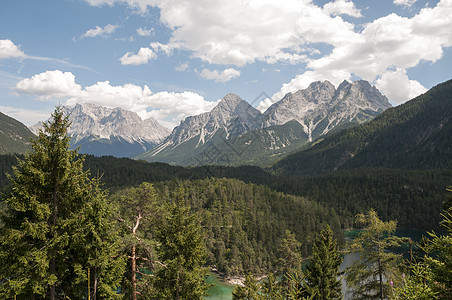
[{"x": 169, "y": 59}]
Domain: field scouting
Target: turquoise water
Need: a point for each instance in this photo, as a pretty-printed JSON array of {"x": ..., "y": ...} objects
[
  {"x": 223, "y": 291},
  {"x": 220, "y": 290}
]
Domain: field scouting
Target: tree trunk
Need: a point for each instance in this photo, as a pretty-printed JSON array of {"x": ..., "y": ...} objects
[
  {"x": 95, "y": 284},
  {"x": 134, "y": 274}
]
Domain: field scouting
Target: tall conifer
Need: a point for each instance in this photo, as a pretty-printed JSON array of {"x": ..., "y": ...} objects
[
  {"x": 323, "y": 269},
  {"x": 54, "y": 225}
]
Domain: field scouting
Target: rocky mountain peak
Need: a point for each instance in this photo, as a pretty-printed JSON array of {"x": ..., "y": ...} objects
[
  {"x": 91, "y": 123},
  {"x": 321, "y": 107}
]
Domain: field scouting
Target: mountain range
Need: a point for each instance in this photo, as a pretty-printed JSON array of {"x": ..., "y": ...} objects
[
  {"x": 110, "y": 131},
  {"x": 235, "y": 133},
  {"x": 414, "y": 135}
]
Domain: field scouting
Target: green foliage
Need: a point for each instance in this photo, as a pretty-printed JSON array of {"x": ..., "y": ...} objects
[
  {"x": 249, "y": 290},
  {"x": 289, "y": 254},
  {"x": 245, "y": 223},
  {"x": 56, "y": 224},
  {"x": 181, "y": 249},
  {"x": 323, "y": 268},
  {"x": 369, "y": 276},
  {"x": 415, "y": 286},
  {"x": 138, "y": 208},
  {"x": 412, "y": 197}
]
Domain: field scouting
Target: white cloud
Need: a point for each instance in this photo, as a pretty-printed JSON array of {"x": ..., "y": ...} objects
[
  {"x": 384, "y": 44},
  {"x": 27, "y": 116},
  {"x": 167, "y": 49},
  {"x": 169, "y": 108},
  {"x": 240, "y": 32},
  {"x": 9, "y": 50},
  {"x": 302, "y": 81},
  {"x": 396, "y": 85},
  {"x": 224, "y": 76},
  {"x": 145, "y": 32},
  {"x": 100, "y": 31},
  {"x": 139, "y": 5},
  {"x": 142, "y": 57},
  {"x": 342, "y": 7},
  {"x": 50, "y": 84},
  {"x": 406, "y": 3},
  {"x": 182, "y": 67}
]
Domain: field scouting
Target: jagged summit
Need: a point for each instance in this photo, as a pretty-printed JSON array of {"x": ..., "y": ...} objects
[
  {"x": 98, "y": 130},
  {"x": 321, "y": 107},
  {"x": 234, "y": 124}
]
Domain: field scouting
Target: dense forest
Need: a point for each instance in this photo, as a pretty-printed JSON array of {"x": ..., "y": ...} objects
[
  {"x": 412, "y": 197},
  {"x": 244, "y": 223}
]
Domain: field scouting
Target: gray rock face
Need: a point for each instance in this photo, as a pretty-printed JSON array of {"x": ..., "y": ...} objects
[
  {"x": 321, "y": 108},
  {"x": 232, "y": 114},
  {"x": 92, "y": 124}
]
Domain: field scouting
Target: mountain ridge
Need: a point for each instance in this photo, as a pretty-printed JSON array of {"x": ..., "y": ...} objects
[
  {"x": 414, "y": 135},
  {"x": 222, "y": 135},
  {"x": 14, "y": 136},
  {"x": 100, "y": 130}
]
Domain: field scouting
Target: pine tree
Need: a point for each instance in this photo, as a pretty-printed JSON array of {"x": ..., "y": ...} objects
[
  {"x": 50, "y": 203},
  {"x": 370, "y": 277},
  {"x": 249, "y": 290},
  {"x": 323, "y": 269},
  {"x": 182, "y": 251},
  {"x": 137, "y": 213}
]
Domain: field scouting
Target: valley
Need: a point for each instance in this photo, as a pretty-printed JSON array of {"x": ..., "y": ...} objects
[{"x": 252, "y": 184}]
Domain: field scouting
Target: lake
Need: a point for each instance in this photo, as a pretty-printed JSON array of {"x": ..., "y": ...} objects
[{"x": 223, "y": 291}]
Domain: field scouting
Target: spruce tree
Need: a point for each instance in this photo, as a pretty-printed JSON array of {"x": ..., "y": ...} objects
[
  {"x": 323, "y": 269},
  {"x": 370, "y": 276},
  {"x": 182, "y": 252},
  {"x": 55, "y": 224}
]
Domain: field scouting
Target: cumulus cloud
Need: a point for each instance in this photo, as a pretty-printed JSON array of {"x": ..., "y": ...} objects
[
  {"x": 406, "y": 3},
  {"x": 9, "y": 50},
  {"x": 167, "y": 49},
  {"x": 145, "y": 31},
  {"x": 50, "y": 84},
  {"x": 168, "y": 108},
  {"x": 100, "y": 31},
  {"x": 386, "y": 43},
  {"x": 142, "y": 57},
  {"x": 396, "y": 85},
  {"x": 282, "y": 31},
  {"x": 342, "y": 7},
  {"x": 223, "y": 76}
]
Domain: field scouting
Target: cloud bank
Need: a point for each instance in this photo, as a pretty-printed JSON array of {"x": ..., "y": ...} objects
[{"x": 168, "y": 108}]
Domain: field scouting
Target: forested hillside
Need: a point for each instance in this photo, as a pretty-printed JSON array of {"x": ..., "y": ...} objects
[
  {"x": 414, "y": 135},
  {"x": 413, "y": 197},
  {"x": 14, "y": 136},
  {"x": 244, "y": 223}
]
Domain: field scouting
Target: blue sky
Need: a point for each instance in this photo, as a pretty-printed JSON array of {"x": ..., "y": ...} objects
[{"x": 169, "y": 59}]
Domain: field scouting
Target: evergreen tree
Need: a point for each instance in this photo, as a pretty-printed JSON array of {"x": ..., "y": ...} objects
[
  {"x": 370, "y": 276},
  {"x": 182, "y": 252},
  {"x": 52, "y": 210},
  {"x": 323, "y": 269},
  {"x": 138, "y": 208},
  {"x": 249, "y": 290}
]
